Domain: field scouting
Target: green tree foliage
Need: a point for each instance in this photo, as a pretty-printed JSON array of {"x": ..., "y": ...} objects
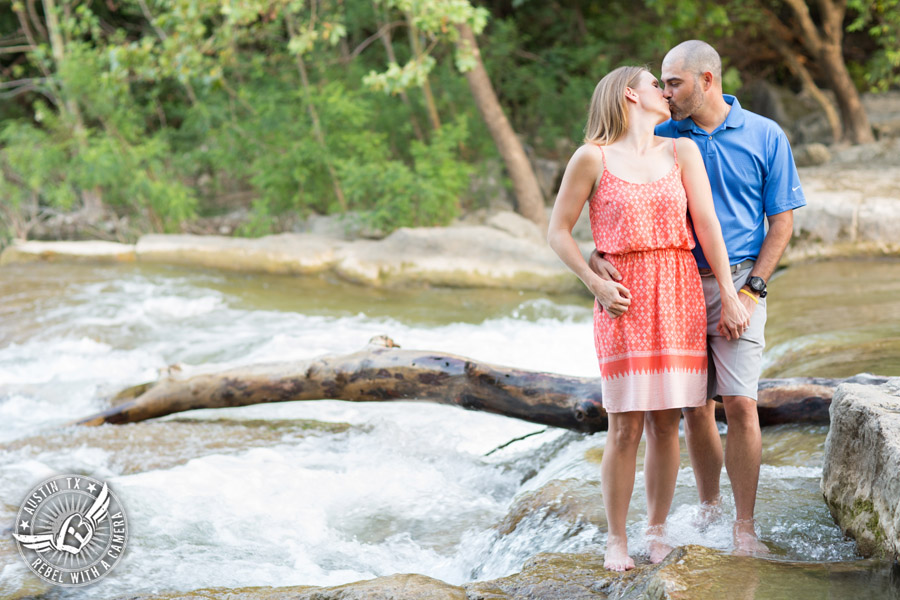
[
  {"x": 880, "y": 20},
  {"x": 161, "y": 110}
]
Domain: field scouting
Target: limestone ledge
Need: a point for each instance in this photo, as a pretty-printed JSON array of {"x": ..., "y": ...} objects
[
  {"x": 88, "y": 251},
  {"x": 458, "y": 256},
  {"x": 688, "y": 573},
  {"x": 849, "y": 213},
  {"x": 862, "y": 460}
]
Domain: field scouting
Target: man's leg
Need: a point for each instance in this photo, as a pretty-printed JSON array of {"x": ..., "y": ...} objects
[
  {"x": 743, "y": 454},
  {"x": 705, "y": 449}
]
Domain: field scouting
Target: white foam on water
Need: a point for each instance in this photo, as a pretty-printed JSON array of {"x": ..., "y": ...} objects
[{"x": 407, "y": 489}]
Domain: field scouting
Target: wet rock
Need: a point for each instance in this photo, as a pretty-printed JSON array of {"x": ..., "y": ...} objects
[
  {"x": 391, "y": 587},
  {"x": 552, "y": 576},
  {"x": 862, "y": 460},
  {"x": 93, "y": 251},
  {"x": 688, "y": 573},
  {"x": 570, "y": 500}
]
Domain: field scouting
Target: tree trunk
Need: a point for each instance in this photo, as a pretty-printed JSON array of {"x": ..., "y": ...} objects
[
  {"x": 856, "y": 122},
  {"x": 529, "y": 200},
  {"x": 382, "y": 372},
  {"x": 386, "y": 40},
  {"x": 794, "y": 62},
  {"x": 316, "y": 124},
  {"x": 416, "y": 48},
  {"x": 825, "y": 44}
]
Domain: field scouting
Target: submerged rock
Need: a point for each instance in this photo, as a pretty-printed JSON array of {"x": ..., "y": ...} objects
[
  {"x": 862, "y": 461},
  {"x": 688, "y": 573},
  {"x": 573, "y": 501},
  {"x": 392, "y": 587}
]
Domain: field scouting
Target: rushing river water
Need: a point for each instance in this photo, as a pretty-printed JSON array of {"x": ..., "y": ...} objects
[{"x": 329, "y": 492}]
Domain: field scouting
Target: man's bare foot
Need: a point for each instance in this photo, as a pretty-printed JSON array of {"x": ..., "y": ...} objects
[
  {"x": 656, "y": 540},
  {"x": 710, "y": 512},
  {"x": 617, "y": 558},
  {"x": 745, "y": 541}
]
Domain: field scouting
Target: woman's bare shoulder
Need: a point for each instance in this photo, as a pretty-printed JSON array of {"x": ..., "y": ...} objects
[
  {"x": 686, "y": 144},
  {"x": 587, "y": 154}
]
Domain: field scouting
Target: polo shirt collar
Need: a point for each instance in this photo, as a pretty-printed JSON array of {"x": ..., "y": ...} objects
[{"x": 734, "y": 119}]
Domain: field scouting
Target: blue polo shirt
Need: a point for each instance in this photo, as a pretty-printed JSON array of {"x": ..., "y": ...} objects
[{"x": 752, "y": 174}]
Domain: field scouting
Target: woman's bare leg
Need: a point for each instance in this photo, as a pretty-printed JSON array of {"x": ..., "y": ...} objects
[
  {"x": 617, "y": 481},
  {"x": 660, "y": 473}
]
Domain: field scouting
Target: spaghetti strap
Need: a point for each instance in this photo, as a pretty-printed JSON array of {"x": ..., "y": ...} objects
[
  {"x": 603, "y": 154},
  {"x": 675, "y": 151}
]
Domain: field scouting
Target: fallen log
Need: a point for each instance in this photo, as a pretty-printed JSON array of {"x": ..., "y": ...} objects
[{"x": 383, "y": 372}]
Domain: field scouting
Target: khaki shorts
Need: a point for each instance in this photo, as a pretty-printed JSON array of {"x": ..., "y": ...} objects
[{"x": 734, "y": 365}]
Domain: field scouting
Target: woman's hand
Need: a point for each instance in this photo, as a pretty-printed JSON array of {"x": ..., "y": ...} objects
[
  {"x": 613, "y": 296},
  {"x": 735, "y": 318}
]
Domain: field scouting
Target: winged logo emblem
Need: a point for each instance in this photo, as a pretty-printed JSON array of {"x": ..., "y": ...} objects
[{"x": 75, "y": 532}]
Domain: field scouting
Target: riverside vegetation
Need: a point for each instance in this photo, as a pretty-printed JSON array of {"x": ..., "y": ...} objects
[{"x": 147, "y": 115}]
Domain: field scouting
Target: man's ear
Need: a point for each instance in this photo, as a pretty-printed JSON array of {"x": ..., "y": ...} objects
[{"x": 707, "y": 79}]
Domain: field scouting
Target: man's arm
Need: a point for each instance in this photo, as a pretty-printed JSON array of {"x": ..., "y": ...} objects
[{"x": 781, "y": 227}]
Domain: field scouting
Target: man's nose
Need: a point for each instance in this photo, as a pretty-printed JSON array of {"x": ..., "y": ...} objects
[{"x": 667, "y": 93}]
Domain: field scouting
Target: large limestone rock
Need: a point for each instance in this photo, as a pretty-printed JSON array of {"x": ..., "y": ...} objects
[
  {"x": 861, "y": 476},
  {"x": 92, "y": 251},
  {"x": 286, "y": 253},
  {"x": 510, "y": 253},
  {"x": 853, "y": 205},
  {"x": 391, "y": 587},
  {"x": 471, "y": 256},
  {"x": 688, "y": 573}
]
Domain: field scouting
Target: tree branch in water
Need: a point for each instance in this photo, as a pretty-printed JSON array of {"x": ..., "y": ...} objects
[{"x": 382, "y": 372}]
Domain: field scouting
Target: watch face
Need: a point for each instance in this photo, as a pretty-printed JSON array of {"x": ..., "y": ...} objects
[{"x": 757, "y": 284}]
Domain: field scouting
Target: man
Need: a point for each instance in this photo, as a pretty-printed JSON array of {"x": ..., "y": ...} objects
[{"x": 754, "y": 180}]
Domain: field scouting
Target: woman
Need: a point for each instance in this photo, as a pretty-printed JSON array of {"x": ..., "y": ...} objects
[{"x": 649, "y": 327}]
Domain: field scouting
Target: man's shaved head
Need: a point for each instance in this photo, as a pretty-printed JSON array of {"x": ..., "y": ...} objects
[{"x": 695, "y": 57}]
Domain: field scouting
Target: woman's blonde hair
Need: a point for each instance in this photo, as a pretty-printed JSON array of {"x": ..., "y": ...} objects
[{"x": 608, "y": 116}]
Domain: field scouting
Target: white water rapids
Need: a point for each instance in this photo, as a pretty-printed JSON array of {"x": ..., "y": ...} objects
[{"x": 252, "y": 496}]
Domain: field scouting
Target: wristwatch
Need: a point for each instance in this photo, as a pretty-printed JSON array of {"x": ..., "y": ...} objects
[{"x": 758, "y": 285}]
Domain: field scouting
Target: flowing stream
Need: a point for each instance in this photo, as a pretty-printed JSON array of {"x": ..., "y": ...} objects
[{"x": 323, "y": 493}]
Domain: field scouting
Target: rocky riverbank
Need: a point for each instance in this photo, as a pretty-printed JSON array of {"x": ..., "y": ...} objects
[
  {"x": 853, "y": 209},
  {"x": 688, "y": 573},
  {"x": 862, "y": 461}
]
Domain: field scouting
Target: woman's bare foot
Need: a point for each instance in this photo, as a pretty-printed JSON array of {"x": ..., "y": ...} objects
[
  {"x": 710, "y": 512},
  {"x": 617, "y": 558},
  {"x": 656, "y": 540},
  {"x": 745, "y": 541}
]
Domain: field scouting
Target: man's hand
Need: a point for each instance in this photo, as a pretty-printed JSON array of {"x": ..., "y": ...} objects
[
  {"x": 614, "y": 297},
  {"x": 603, "y": 267},
  {"x": 735, "y": 317}
]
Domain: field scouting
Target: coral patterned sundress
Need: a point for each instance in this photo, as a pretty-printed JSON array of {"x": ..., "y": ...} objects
[{"x": 652, "y": 357}]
